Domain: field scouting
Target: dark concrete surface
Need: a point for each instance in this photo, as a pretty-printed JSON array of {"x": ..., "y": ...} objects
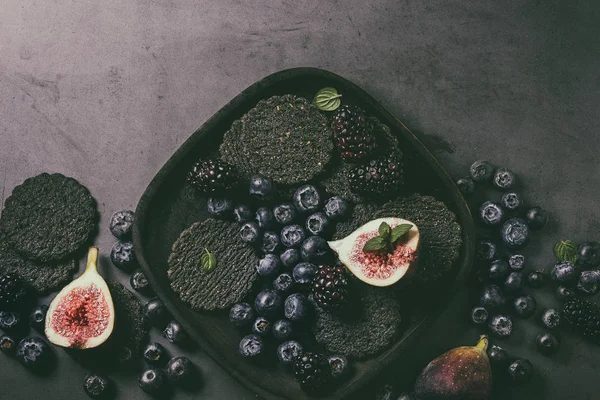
[{"x": 106, "y": 91}]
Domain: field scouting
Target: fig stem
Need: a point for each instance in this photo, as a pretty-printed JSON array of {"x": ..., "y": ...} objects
[
  {"x": 92, "y": 260},
  {"x": 483, "y": 343}
]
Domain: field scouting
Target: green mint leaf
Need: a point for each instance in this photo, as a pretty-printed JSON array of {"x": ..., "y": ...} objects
[
  {"x": 327, "y": 99},
  {"x": 566, "y": 250},
  {"x": 385, "y": 230},
  {"x": 374, "y": 244},
  {"x": 400, "y": 231},
  {"x": 208, "y": 261}
]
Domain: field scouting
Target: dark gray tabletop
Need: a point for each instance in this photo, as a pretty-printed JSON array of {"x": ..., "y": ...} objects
[{"x": 106, "y": 91}]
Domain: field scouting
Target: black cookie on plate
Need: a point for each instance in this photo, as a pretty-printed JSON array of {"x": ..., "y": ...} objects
[{"x": 49, "y": 217}]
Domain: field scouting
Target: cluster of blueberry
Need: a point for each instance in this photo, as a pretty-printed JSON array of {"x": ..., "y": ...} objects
[{"x": 291, "y": 238}]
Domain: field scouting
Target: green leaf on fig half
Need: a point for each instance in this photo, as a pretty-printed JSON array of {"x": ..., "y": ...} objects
[
  {"x": 385, "y": 230},
  {"x": 374, "y": 244},
  {"x": 327, "y": 99},
  {"x": 208, "y": 261},
  {"x": 400, "y": 231},
  {"x": 566, "y": 250}
]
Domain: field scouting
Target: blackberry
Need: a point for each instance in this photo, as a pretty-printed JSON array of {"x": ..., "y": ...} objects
[
  {"x": 353, "y": 133},
  {"x": 210, "y": 176},
  {"x": 379, "y": 177},
  {"x": 312, "y": 371},
  {"x": 13, "y": 291},
  {"x": 585, "y": 317},
  {"x": 330, "y": 286}
]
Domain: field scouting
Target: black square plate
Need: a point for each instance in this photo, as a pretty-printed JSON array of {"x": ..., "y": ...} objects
[{"x": 165, "y": 210}]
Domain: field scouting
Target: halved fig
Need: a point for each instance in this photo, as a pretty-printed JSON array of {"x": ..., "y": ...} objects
[
  {"x": 380, "y": 267},
  {"x": 82, "y": 315}
]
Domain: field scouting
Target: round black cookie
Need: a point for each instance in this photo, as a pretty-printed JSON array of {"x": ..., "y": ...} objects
[
  {"x": 49, "y": 217},
  {"x": 231, "y": 279},
  {"x": 370, "y": 324},
  {"x": 42, "y": 277},
  {"x": 130, "y": 333},
  {"x": 336, "y": 182},
  {"x": 283, "y": 137},
  {"x": 440, "y": 233}
]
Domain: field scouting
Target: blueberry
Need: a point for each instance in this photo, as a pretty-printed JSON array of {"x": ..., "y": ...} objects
[
  {"x": 241, "y": 314},
  {"x": 292, "y": 235},
  {"x": 34, "y": 354},
  {"x": 285, "y": 213},
  {"x": 307, "y": 199},
  {"x": 513, "y": 282},
  {"x": 317, "y": 224},
  {"x": 498, "y": 357},
  {"x": 338, "y": 364},
  {"x": 589, "y": 282},
  {"x": 121, "y": 224},
  {"x": 491, "y": 213},
  {"x": 153, "y": 381},
  {"x": 37, "y": 318},
  {"x": 498, "y": 270},
  {"x": 181, "y": 371},
  {"x": 250, "y": 233},
  {"x": 296, "y": 307},
  {"x": 155, "y": 354},
  {"x": 501, "y": 326},
  {"x": 219, "y": 207},
  {"x": 261, "y": 187},
  {"x": 520, "y": 371},
  {"x": 122, "y": 256},
  {"x": 547, "y": 343},
  {"x": 336, "y": 208},
  {"x": 481, "y": 171},
  {"x": 265, "y": 218},
  {"x": 290, "y": 257},
  {"x": 536, "y": 217},
  {"x": 515, "y": 233},
  {"x": 564, "y": 271},
  {"x": 139, "y": 282},
  {"x": 551, "y": 318},
  {"x": 517, "y": 262},
  {"x": 175, "y": 333},
  {"x": 242, "y": 213},
  {"x": 314, "y": 249},
  {"x": 282, "y": 329},
  {"x": 156, "y": 313},
  {"x": 283, "y": 283},
  {"x": 479, "y": 315},
  {"x": 251, "y": 346},
  {"x": 8, "y": 345},
  {"x": 268, "y": 303},
  {"x": 304, "y": 272},
  {"x": 10, "y": 321},
  {"x": 504, "y": 179},
  {"x": 98, "y": 386},
  {"x": 287, "y": 352},
  {"x": 564, "y": 293},
  {"x": 511, "y": 201},
  {"x": 535, "y": 279},
  {"x": 270, "y": 242},
  {"x": 588, "y": 254},
  {"x": 268, "y": 265},
  {"x": 466, "y": 186},
  {"x": 492, "y": 297},
  {"x": 261, "y": 326},
  {"x": 524, "y": 306},
  {"x": 486, "y": 250}
]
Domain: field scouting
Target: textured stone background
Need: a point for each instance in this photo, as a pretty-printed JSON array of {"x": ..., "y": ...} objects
[{"x": 106, "y": 91}]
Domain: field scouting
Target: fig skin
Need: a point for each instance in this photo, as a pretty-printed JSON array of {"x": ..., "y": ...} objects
[{"x": 463, "y": 373}]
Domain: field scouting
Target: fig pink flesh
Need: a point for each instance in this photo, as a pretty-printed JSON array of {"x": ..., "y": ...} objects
[
  {"x": 81, "y": 315},
  {"x": 380, "y": 264}
]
